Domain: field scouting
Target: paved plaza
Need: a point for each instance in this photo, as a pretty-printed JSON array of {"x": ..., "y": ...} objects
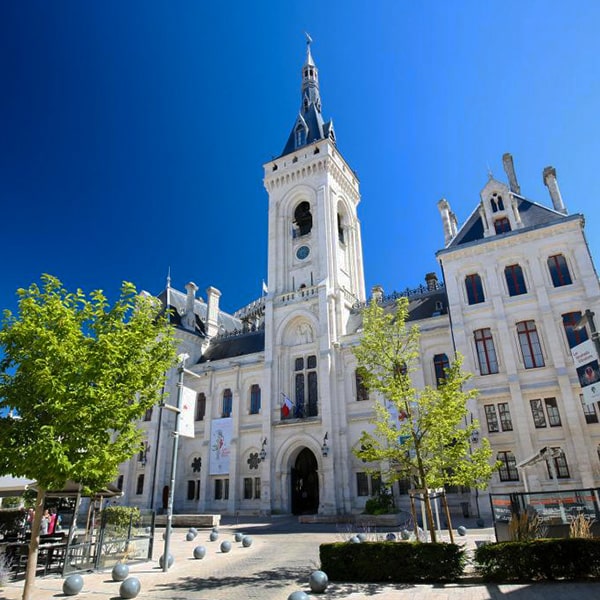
[{"x": 279, "y": 562}]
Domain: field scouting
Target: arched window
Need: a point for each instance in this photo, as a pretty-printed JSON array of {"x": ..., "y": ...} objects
[
  {"x": 362, "y": 393},
  {"x": 303, "y": 219},
  {"x": 575, "y": 334},
  {"x": 515, "y": 282},
  {"x": 559, "y": 270},
  {"x": 227, "y": 403},
  {"x": 340, "y": 224}
]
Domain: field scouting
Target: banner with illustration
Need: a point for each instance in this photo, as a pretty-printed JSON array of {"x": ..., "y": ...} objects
[
  {"x": 186, "y": 415},
  {"x": 585, "y": 358},
  {"x": 220, "y": 446}
]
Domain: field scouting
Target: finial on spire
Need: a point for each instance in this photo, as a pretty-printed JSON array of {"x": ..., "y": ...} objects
[
  {"x": 169, "y": 277},
  {"x": 308, "y": 38},
  {"x": 490, "y": 174}
]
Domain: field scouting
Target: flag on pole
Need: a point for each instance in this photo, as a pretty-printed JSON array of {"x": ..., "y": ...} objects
[{"x": 286, "y": 407}]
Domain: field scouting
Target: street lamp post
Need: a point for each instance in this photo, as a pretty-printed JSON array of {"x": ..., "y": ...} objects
[{"x": 177, "y": 410}]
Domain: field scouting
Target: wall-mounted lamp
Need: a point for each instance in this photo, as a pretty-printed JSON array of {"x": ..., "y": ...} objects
[
  {"x": 263, "y": 453},
  {"x": 324, "y": 446},
  {"x": 475, "y": 436}
]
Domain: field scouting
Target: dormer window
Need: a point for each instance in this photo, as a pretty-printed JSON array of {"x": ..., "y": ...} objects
[
  {"x": 300, "y": 136},
  {"x": 496, "y": 202},
  {"x": 502, "y": 225}
]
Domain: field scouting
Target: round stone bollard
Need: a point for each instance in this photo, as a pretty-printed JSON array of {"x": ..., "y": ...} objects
[
  {"x": 462, "y": 530},
  {"x": 193, "y": 530},
  {"x": 225, "y": 546},
  {"x": 189, "y": 536},
  {"x": 318, "y": 582},
  {"x": 215, "y": 529},
  {"x": 170, "y": 561},
  {"x": 246, "y": 541},
  {"x": 390, "y": 537},
  {"x": 362, "y": 537},
  {"x": 199, "y": 552},
  {"x": 299, "y": 595},
  {"x": 354, "y": 539},
  {"x": 72, "y": 585},
  {"x": 130, "y": 588},
  {"x": 405, "y": 534},
  {"x": 238, "y": 536},
  {"x": 165, "y": 533},
  {"x": 214, "y": 536},
  {"x": 120, "y": 572}
]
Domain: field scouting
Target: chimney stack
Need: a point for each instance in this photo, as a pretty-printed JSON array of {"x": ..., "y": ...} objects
[
  {"x": 509, "y": 169},
  {"x": 551, "y": 183},
  {"x": 189, "y": 318},
  {"x": 432, "y": 281},
  {"x": 377, "y": 293},
  {"x": 212, "y": 311},
  {"x": 448, "y": 221}
]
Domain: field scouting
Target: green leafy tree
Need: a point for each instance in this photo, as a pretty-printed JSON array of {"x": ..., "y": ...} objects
[
  {"x": 76, "y": 375},
  {"x": 421, "y": 434}
]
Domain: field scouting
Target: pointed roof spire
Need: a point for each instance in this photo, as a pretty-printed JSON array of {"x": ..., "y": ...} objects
[{"x": 309, "y": 125}]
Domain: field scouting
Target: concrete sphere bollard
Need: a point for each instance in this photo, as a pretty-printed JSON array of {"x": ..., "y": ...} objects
[
  {"x": 189, "y": 536},
  {"x": 225, "y": 546},
  {"x": 199, "y": 552},
  {"x": 299, "y": 595},
  {"x": 390, "y": 537},
  {"x": 120, "y": 572},
  {"x": 130, "y": 588},
  {"x": 214, "y": 536},
  {"x": 362, "y": 537},
  {"x": 170, "y": 561},
  {"x": 462, "y": 530},
  {"x": 164, "y": 535},
  {"x": 238, "y": 536},
  {"x": 72, "y": 585},
  {"x": 215, "y": 529},
  {"x": 246, "y": 541},
  {"x": 193, "y": 530},
  {"x": 148, "y": 529},
  {"x": 354, "y": 539},
  {"x": 318, "y": 582},
  {"x": 405, "y": 534}
]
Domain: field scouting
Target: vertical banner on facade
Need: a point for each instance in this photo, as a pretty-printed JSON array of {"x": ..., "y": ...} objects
[
  {"x": 220, "y": 446},
  {"x": 588, "y": 370},
  {"x": 186, "y": 415}
]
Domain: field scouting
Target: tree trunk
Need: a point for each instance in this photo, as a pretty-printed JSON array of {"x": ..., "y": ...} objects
[
  {"x": 429, "y": 515},
  {"x": 34, "y": 545}
]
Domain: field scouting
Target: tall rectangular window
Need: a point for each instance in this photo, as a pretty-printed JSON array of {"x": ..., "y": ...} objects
[
  {"x": 574, "y": 334},
  {"x": 362, "y": 484},
  {"x": 257, "y": 488},
  {"x": 139, "y": 488},
  {"x": 505, "y": 419},
  {"x": 254, "y": 399},
  {"x": 221, "y": 489},
  {"x": 515, "y": 282},
  {"x": 306, "y": 388},
  {"x": 508, "y": 466},
  {"x": 560, "y": 465},
  {"x": 200, "y": 406},
  {"x": 362, "y": 393},
  {"x": 440, "y": 364},
  {"x": 227, "y": 403},
  {"x": 559, "y": 270},
  {"x": 120, "y": 482},
  {"x": 552, "y": 412},
  {"x": 474, "y": 289},
  {"x": 531, "y": 349},
  {"x": 247, "y": 488},
  {"x": 486, "y": 353},
  {"x": 492, "y": 418},
  {"x": 502, "y": 225},
  {"x": 191, "y": 489},
  {"x": 148, "y": 415},
  {"x": 537, "y": 412}
]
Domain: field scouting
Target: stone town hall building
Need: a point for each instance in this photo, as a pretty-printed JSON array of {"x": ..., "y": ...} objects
[{"x": 278, "y": 405}]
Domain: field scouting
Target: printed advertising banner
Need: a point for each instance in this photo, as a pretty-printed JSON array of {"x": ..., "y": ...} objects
[
  {"x": 186, "y": 416},
  {"x": 220, "y": 446},
  {"x": 588, "y": 370}
]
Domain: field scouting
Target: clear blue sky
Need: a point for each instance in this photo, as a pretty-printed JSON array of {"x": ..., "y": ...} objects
[{"x": 132, "y": 134}]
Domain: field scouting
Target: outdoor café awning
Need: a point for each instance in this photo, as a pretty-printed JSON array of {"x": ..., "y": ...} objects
[{"x": 16, "y": 486}]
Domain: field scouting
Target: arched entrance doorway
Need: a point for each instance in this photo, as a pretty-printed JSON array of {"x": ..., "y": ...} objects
[{"x": 305, "y": 484}]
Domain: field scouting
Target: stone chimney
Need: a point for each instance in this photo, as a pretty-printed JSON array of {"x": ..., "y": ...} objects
[
  {"x": 509, "y": 169},
  {"x": 448, "y": 221},
  {"x": 432, "y": 281},
  {"x": 212, "y": 311},
  {"x": 550, "y": 182},
  {"x": 189, "y": 317}
]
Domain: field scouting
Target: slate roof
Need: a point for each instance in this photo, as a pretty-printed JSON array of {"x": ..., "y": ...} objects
[
  {"x": 234, "y": 345},
  {"x": 533, "y": 215}
]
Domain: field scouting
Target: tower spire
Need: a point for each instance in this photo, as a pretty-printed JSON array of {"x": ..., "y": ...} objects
[{"x": 309, "y": 126}]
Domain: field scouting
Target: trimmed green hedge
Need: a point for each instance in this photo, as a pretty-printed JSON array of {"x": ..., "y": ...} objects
[
  {"x": 573, "y": 558},
  {"x": 392, "y": 561}
]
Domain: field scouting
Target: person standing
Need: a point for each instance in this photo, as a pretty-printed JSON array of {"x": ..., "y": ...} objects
[{"x": 45, "y": 523}]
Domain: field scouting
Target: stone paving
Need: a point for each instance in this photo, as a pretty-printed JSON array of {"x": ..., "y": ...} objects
[{"x": 279, "y": 562}]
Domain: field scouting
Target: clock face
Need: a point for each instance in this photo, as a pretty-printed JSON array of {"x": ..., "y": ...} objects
[{"x": 302, "y": 252}]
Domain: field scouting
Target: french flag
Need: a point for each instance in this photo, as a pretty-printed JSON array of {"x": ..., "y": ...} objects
[{"x": 286, "y": 407}]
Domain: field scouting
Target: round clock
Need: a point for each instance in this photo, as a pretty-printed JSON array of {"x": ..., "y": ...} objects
[{"x": 302, "y": 252}]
